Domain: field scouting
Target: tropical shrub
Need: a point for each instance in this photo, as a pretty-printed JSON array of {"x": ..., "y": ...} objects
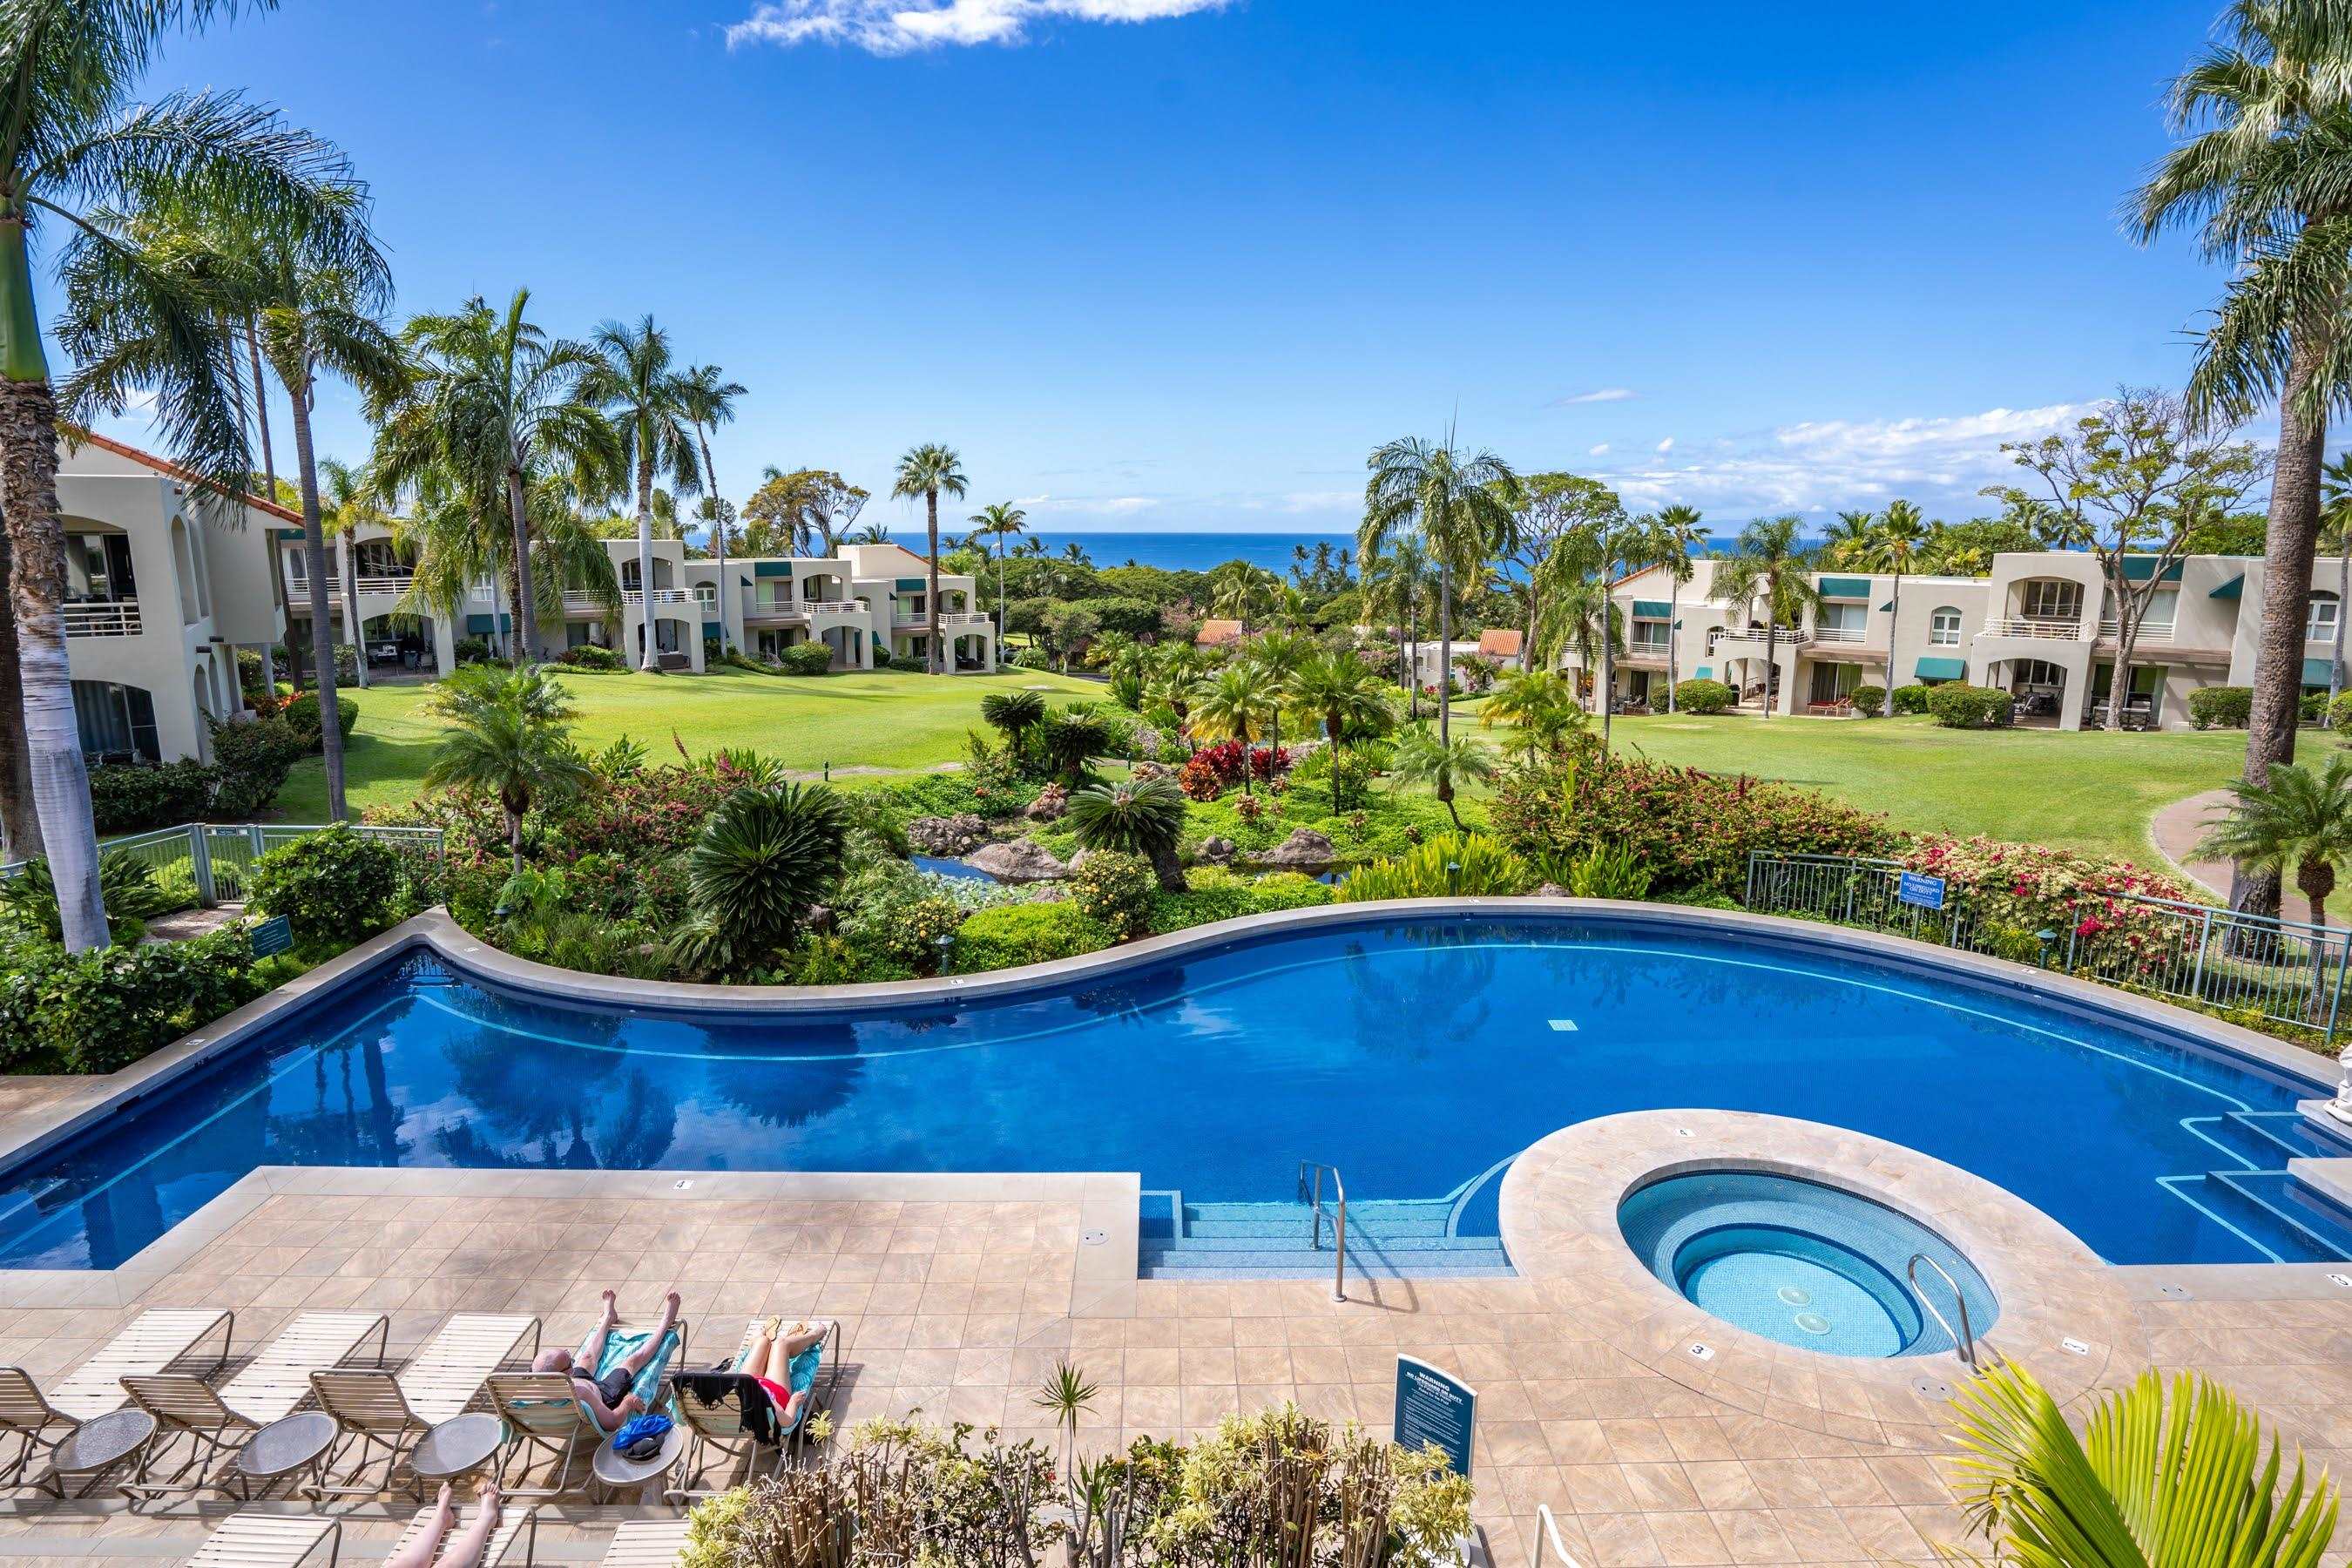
[
  {"x": 250, "y": 762},
  {"x": 1463, "y": 865},
  {"x": 1031, "y": 659},
  {"x": 1869, "y": 701},
  {"x": 1138, "y": 816},
  {"x": 2339, "y": 714},
  {"x": 1115, "y": 890},
  {"x": 126, "y": 884},
  {"x": 1199, "y": 780},
  {"x": 1013, "y": 715},
  {"x": 2225, "y": 707},
  {"x": 1071, "y": 739},
  {"x": 805, "y": 659},
  {"x": 99, "y": 1011},
  {"x": 761, "y": 859},
  {"x": 1911, "y": 698},
  {"x": 1220, "y": 895},
  {"x": 470, "y": 650},
  {"x": 301, "y": 713},
  {"x": 2033, "y": 887},
  {"x": 1702, "y": 696},
  {"x": 1958, "y": 706},
  {"x": 1127, "y": 689},
  {"x": 588, "y": 656},
  {"x": 1609, "y": 871},
  {"x": 130, "y": 797},
  {"x": 334, "y": 887},
  {"x": 1225, "y": 761},
  {"x": 1014, "y": 934}
]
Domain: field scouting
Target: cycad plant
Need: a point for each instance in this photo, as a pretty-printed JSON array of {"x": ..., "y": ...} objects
[
  {"x": 1071, "y": 739},
  {"x": 1134, "y": 817},
  {"x": 1421, "y": 759},
  {"x": 1015, "y": 713},
  {"x": 2300, "y": 818},
  {"x": 2152, "y": 1482},
  {"x": 506, "y": 737},
  {"x": 762, "y": 858}
]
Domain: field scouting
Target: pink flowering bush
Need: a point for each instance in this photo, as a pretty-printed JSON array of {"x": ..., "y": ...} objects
[{"x": 2030, "y": 888}]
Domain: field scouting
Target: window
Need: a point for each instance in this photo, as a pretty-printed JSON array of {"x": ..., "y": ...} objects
[
  {"x": 1944, "y": 626},
  {"x": 1841, "y": 622},
  {"x": 2319, "y": 620},
  {"x": 98, "y": 567},
  {"x": 115, "y": 721},
  {"x": 2028, "y": 674},
  {"x": 1650, "y": 637},
  {"x": 2046, "y": 599}
]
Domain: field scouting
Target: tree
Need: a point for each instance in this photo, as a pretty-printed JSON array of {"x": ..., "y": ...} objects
[
  {"x": 808, "y": 511},
  {"x": 1421, "y": 759},
  {"x": 764, "y": 855},
  {"x": 2261, "y": 175},
  {"x": 1846, "y": 541},
  {"x": 1461, "y": 507},
  {"x": 999, "y": 520},
  {"x": 2148, "y": 1481},
  {"x": 76, "y": 151},
  {"x": 1070, "y": 739},
  {"x": 1894, "y": 545},
  {"x": 647, "y": 402},
  {"x": 1397, "y": 578},
  {"x": 1539, "y": 704},
  {"x": 1774, "y": 569},
  {"x": 710, "y": 398},
  {"x": 1135, "y": 816},
  {"x": 1015, "y": 713},
  {"x": 1345, "y": 697},
  {"x": 1234, "y": 707},
  {"x": 2298, "y": 817},
  {"x": 930, "y": 470},
  {"x": 1554, "y": 509},
  {"x": 1579, "y": 617},
  {"x": 1673, "y": 534},
  {"x": 346, "y": 505},
  {"x": 1278, "y": 657},
  {"x": 1244, "y": 593},
  {"x": 506, "y": 737}
]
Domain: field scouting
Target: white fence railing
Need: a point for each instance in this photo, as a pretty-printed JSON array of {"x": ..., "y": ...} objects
[
  {"x": 661, "y": 597},
  {"x": 218, "y": 857},
  {"x": 103, "y": 618},
  {"x": 834, "y": 607},
  {"x": 2148, "y": 631},
  {"x": 2053, "y": 628},
  {"x": 2286, "y": 971},
  {"x": 1839, "y": 634}
]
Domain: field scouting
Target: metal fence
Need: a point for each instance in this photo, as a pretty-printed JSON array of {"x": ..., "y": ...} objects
[
  {"x": 2286, "y": 971},
  {"x": 217, "y": 858}
]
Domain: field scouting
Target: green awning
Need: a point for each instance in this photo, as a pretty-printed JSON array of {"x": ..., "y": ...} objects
[
  {"x": 291, "y": 535},
  {"x": 2316, "y": 671},
  {"x": 1941, "y": 669},
  {"x": 2141, "y": 568},
  {"x": 1704, "y": 672},
  {"x": 479, "y": 625},
  {"x": 912, "y": 584},
  {"x": 1653, "y": 609},
  {"x": 710, "y": 629},
  {"x": 771, "y": 568},
  {"x": 2234, "y": 588},
  {"x": 1846, "y": 587}
]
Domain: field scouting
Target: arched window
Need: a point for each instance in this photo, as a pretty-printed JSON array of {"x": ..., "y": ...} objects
[
  {"x": 2319, "y": 619},
  {"x": 1944, "y": 626}
]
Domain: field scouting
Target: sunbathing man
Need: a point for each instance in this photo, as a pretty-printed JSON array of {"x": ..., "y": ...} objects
[
  {"x": 610, "y": 1398},
  {"x": 780, "y": 1359},
  {"x": 465, "y": 1549}
]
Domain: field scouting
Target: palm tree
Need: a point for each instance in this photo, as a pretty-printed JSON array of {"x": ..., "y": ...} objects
[
  {"x": 346, "y": 505},
  {"x": 1846, "y": 542},
  {"x": 1242, "y": 592},
  {"x": 1343, "y": 694},
  {"x": 930, "y": 470},
  {"x": 1393, "y": 580},
  {"x": 1539, "y": 703},
  {"x": 1676, "y": 531},
  {"x": 1460, "y": 506},
  {"x": 647, "y": 402},
  {"x": 2296, "y": 816},
  {"x": 1420, "y": 758},
  {"x": 1580, "y": 618},
  {"x": 1003, "y": 519},
  {"x": 2335, "y": 529},
  {"x": 1235, "y": 708},
  {"x": 2143, "y": 1484},
  {"x": 1774, "y": 568},
  {"x": 709, "y": 400},
  {"x": 1279, "y": 657},
  {"x": 1894, "y": 545},
  {"x": 2266, "y": 117},
  {"x": 506, "y": 736},
  {"x": 78, "y": 152},
  {"x": 1135, "y": 816},
  {"x": 764, "y": 855},
  {"x": 1014, "y": 713}
]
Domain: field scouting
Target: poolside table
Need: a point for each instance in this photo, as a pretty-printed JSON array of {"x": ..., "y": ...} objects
[
  {"x": 297, "y": 1442},
  {"x": 457, "y": 1446},
  {"x": 618, "y": 1474},
  {"x": 98, "y": 1444}
]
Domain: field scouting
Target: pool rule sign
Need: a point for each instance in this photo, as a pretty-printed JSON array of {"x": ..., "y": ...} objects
[{"x": 1432, "y": 1406}]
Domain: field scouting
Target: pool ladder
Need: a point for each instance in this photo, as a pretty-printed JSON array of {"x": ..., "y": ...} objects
[
  {"x": 1311, "y": 1190},
  {"x": 1966, "y": 1339}
]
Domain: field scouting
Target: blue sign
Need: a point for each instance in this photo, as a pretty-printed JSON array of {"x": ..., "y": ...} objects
[
  {"x": 1928, "y": 892},
  {"x": 273, "y": 936},
  {"x": 1432, "y": 1406}
]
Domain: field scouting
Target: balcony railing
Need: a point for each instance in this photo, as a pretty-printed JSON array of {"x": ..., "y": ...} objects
[
  {"x": 387, "y": 583},
  {"x": 2054, "y": 629},
  {"x": 1839, "y": 634},
  {"x": 772, "y": 607},
  {"x": 578, "y": 602},
  {"x": 660, "y": 596},
  {"x": 834, "y": 607},
  {"x": 103, "y": 618},
  {"x": 2149, "y": 631},
  {"x": 967, "y": 619}
]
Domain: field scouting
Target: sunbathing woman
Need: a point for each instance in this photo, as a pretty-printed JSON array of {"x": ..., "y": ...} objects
[
  {"x": 465, "y": 1549},
  {"x": 785, "y": 1362},
  {"x": 609, "y": 1399}
]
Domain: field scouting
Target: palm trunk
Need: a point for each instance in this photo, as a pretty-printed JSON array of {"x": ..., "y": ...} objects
[
  {"x": 20, "y": 825},
  {"x": 2343, "y": 594},
  {"x": 526, "y": 600},
  {"x": 277, "y": 556},
  {"x": 1444, "y": 650},
  {"x": 649, "y": 663},
  {"x": 514, "y": 840},
  {"x": 1771, "y": 660},
  {"x": 1331, "y": 733},
  {"x": 931, "y": 576},
  {"x": 1893, "y": 624},
  {"x": 28, "y": 503},
  {"x": 1673, "y": 624},
  {"x": 351, "y": 626},
  {"x": 717, "y": 536},
  {"x": 314, "y": 557}
]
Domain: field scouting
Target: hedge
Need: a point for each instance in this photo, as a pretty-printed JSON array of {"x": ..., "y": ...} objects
[
  {"x": 1869, "y": 701},
  {"x": 2228, "y": 707},
  {"x": 1911, "y": 698},
  {"x": 1702, "y": 696},
  {"x": 1959, "y": 707}
]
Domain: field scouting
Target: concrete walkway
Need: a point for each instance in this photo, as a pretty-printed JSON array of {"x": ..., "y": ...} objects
[{"x": 2177, "y": 829}]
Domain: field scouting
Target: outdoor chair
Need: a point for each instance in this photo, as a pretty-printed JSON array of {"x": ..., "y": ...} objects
[
  {"x": 543, "y": 1416},
  {"x": 152, "y": 1342},
  {"x": 647, "y": 1543},
  {"x": 514, "y": 1524},
  {"x": 715, "y": 1433},
  {"x": 381, "y": 1413},
  {"x": 270, "y": 1541}
]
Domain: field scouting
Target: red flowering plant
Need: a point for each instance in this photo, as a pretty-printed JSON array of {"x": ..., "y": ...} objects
[{"x": 2092, "y": 906}]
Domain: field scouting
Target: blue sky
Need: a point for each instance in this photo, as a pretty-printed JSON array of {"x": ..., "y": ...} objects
[{"x": 1184, "y": 271}]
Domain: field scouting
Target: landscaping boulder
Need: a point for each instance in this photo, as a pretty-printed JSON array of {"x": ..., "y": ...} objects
[
  {"x": 1146, "y": 770},
  {"x": 949, "y": 835},
  {"x": 1304, "y": 850},
  {"x": 1551, "y": 890},
  {"x": 1051, "y": 802},
  {"x": 1018, "y": 860},
  {"x": 1218, "y": 851}
]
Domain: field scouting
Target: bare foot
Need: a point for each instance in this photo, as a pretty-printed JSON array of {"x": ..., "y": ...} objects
[
  {"x": 672, "y": 1302},
  {"x": 489, "y": 1502},
  {"x": 445, "y": 1508},
  {"x": 611, "y": 1307}
]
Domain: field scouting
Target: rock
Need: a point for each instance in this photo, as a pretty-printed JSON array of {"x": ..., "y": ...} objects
[
  {"x": 1018, "y": 860},
  {"x": 1146, "y": 770},
  {"x": 949, "y": 835},
  {"x": 1051, "y": 802},
  {"x": 1551, "y": 890},
  {"x": 1219, "y": 851},
  {"x": 1304, "y": 850}
]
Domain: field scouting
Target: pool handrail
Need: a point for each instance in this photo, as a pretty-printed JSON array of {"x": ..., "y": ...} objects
[
  {"x": 1547, "y": 1535},
  {"x": 1965, "y": 1340},
  {"x": 1339, "y": 1226}
]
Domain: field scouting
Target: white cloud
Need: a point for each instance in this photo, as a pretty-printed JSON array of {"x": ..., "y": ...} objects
[
  {"x": 1599, "y": 451},
  {"x": 1665, "y": 445},
  {"x": 905, "y": 27},
  {"x": 1598, "y": 395},
  {"x": 1110, "y": 506}
]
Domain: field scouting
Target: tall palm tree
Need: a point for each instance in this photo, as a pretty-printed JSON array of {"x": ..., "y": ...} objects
[
  {"x": 1394, "y": 578},
  {"x": 1846, "y": 542},
  {"x": 506, "y": 737},
  {"x": 646, "y": 401},
  {"x": 2335, "y": 529},
  {"x": 1894, "y": 544},
  {"x": 710, "y": 403},
  {"x": 1460, "y": 504},
  {"x": 1343, "y": 694},
  {"x": 346, "y": 505},
  {"x": 1580, "y": 618},
  {"x": 1002, "y": 520},
  {"x": 1773, "y": 568},
  {"x": 1537, "y": 702},
  {"x": 1676, "y": 531},
  {"x": 930, "y": 470},
  {"x": 2261, "y": 175},
  {"x": 1234, "y": 707},
  {"x": 1243, "y": 592},
  {"x": 76, "y": 149},
  {"x": 1279, "y": 657}
]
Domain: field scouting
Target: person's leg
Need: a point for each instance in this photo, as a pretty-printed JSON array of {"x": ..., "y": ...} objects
[
  {"x": 637, "y": 1360},
  {"x": 778, "y": 1368},
  {"x": 419, "y": 1554},
  {"x": 754, "y": 1358},
  {"x": 465, "y": 1548},
  {"x": 590, "y": 1356},
  {"x": 609, "y": 1418}
]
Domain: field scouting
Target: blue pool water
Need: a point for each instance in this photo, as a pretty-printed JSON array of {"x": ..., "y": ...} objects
[
  {"x": 1414, "y": 1053},
  {"x": 939, "y": 865}
]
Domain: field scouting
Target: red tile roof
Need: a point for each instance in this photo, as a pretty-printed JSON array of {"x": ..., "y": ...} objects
[
  {"x": 1216, "y": 634},
  {"x": 165, "y": 466},
  {"x": 1500, "y": 642}
]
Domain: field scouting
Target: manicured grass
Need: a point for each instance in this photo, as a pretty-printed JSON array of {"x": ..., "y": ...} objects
[
  {"x": 887, "y": 720},
  {"x": 2092, "y": 791}
]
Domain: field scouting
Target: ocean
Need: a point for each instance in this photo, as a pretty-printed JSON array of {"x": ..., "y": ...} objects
[{"x": 1190, "y": 552}]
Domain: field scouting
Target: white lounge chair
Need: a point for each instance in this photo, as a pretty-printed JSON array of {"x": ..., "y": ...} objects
[
  {"x": 270, "y": 1541},
  {"x": 152, "y": 1342},
  {"x": 647, "y": 1543},
  {"x": 389, "y": 1412},
  {"x": 720, "y": 1427},
  {"x": 279, "y": 1379},
  {"x": 544, "y": 1416},
  {"x": 514, "y": 1524}
]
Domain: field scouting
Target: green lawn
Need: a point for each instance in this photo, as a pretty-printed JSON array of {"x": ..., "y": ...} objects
[{"x": 883, "y": 721}]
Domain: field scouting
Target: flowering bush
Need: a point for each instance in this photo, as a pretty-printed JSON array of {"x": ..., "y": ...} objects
[
  {"x": 1225, "y": 760},
  {"x": 2030, "y": 888},
  {"x": 1198, "y": 781}
]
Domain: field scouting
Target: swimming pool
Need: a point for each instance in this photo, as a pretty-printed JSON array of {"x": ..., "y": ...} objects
[{"x": 1417, "y": 1051}]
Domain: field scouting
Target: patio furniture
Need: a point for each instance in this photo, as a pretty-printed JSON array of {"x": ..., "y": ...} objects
[
  {"x": 542, "y": 1413},
  {"x": 719, "y": 1426},
  {"x": 514, "y": 1524},
  {"x": 647, "y": 1543},
  {"x": 270, "y": 1541},
  {"x": 152, "y": 1342},
  {"x": 616, "y": 1473},
  {"x": 28, "y": 1415},
  {"x": 382, "y": 1414},
  {"x": 185, "y": 1405},
  {"x": 293, "y": 1443},
  {"x": 95, "y": 1447},
  {"x": 457, "y": 1446}
]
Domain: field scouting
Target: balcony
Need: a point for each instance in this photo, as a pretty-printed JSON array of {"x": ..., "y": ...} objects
[
  {"x": 772, "y": 607},
  {"x": 635, "y": 597},
  {"x": 834, "y": 607},
  {"x": 2049, "y": 628},
  {"x": 387, "y": 583},
  {"x": 2148, "y": 632},
  {"x": 577, "y": 602},
  {"x": 1854, "y": 635},
  {"x": 102, "y": 618}
]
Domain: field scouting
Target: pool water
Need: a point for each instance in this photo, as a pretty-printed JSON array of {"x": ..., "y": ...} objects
[
  {"x": 1416, "y": 1054},
  {"x": 1799, "y": 1289}
]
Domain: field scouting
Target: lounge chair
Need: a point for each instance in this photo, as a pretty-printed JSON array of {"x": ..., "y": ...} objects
[
  {"x": 279, "y": 1379},
  {"x": 152, "y": 1342},
  {"x": 720, "y": 1426},
  {"x": 26, "y": 1415},
  {"x": 542, "y": 1414},
  {"x": 514, "y": 1524},
  {"x": 270, "y": 1541},
  {"x": 647, "y": 1543},
  {"x": 387, "y": 1411}
]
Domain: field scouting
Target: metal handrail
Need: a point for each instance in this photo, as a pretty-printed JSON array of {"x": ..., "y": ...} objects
[
  {"x": 1547, "y": 1535},
  {"x": 1966, "y": 1339},
  {"x": 1339, "y": 1225}
]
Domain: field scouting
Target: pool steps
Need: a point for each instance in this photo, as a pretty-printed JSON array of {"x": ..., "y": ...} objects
[
  {"x": 2256, "y": 1197},
  {"x": 1387, "y": 1240}
]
